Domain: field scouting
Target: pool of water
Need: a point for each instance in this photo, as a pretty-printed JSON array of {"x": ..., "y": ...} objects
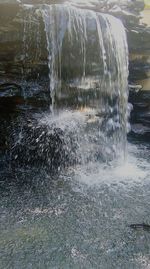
[{"x": 79, "y": 218}]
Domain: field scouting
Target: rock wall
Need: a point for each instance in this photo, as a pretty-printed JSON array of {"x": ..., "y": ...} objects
[
  {"x": 13, "y": 37},
  {"x": 24, "y": 79}
]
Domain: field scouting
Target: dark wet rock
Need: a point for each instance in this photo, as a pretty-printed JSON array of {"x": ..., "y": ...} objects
[
  {"x": 141, "y": 104},
  {"x": 23, "y": 51},
  {"x": 142, "y": 226},
  {"x": 10, "y": 89},
  {"x": 16, "y": 97},
  {"x": 10, "y": 98},
  {"x": 140, "y": 129},
  {"x": 24, "y": 82},
  {"x": 139, "y": 49},
  {"x": 135, "y": 88},
  {"x": 17, "y": 29},
  {"x": 39, "y": 145},
  {"x": 140, "y": 115}
]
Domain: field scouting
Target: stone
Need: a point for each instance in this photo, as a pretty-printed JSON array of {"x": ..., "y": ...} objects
[
  {"x": 140, "y": 115},
  {"x": 31, "y": 72},
  {"x": 13, "y": 24},
  {"x": 39, "y": 145}
]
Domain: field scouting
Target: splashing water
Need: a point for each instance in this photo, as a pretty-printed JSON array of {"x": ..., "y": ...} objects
[
  {"x": 81, "y": 216},
  {"x": 87, "y": 57},
  {"x": 88, "y": 67}
]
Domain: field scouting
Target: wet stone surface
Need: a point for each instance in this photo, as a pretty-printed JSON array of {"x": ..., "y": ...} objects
[
  {"x": 140, "y": 115},
  {"x": 14, "y": 25},
  {"x": 57, "y": 210}
]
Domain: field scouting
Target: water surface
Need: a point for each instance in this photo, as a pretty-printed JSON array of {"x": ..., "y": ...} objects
[{"x": 79, "y": 218}]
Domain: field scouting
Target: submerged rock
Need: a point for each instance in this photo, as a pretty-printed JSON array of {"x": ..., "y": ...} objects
[{"x": 142, "y": 226}]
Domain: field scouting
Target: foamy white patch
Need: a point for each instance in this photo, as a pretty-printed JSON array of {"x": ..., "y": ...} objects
[
  {"x": 65, "y": 120},
  {"x": 130, "y": 171},
  {"x": 85, "y": 83},
  {"x": 28, "y": 6},
  {"x": 144, "y": 261}
]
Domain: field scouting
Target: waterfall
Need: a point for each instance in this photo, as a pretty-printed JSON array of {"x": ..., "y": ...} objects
[
  {"x": 86, "y": 57},
  {"x": 88, "y": 68}
]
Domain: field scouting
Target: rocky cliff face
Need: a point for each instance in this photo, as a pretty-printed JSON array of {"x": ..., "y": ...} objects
[
  {"x": 24, "y": 69},
  {"x": 17, "y": 31}
]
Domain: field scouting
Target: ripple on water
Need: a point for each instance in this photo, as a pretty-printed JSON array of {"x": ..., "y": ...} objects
[{"x": 81, "y": 219}]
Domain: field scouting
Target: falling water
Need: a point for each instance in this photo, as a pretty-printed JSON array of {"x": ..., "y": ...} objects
[
  {"x": 88, "y": 68},
  {"x": 80, "y": 216}
]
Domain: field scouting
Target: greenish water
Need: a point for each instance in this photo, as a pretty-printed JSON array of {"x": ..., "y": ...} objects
[{"x": 78, "y": 219}]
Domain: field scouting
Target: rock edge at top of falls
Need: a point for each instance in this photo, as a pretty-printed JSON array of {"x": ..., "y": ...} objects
[
  {"x": 133, "y": 7},
  {"x": 11, "y": 26},
  {"x": 138, "y": 35}
]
